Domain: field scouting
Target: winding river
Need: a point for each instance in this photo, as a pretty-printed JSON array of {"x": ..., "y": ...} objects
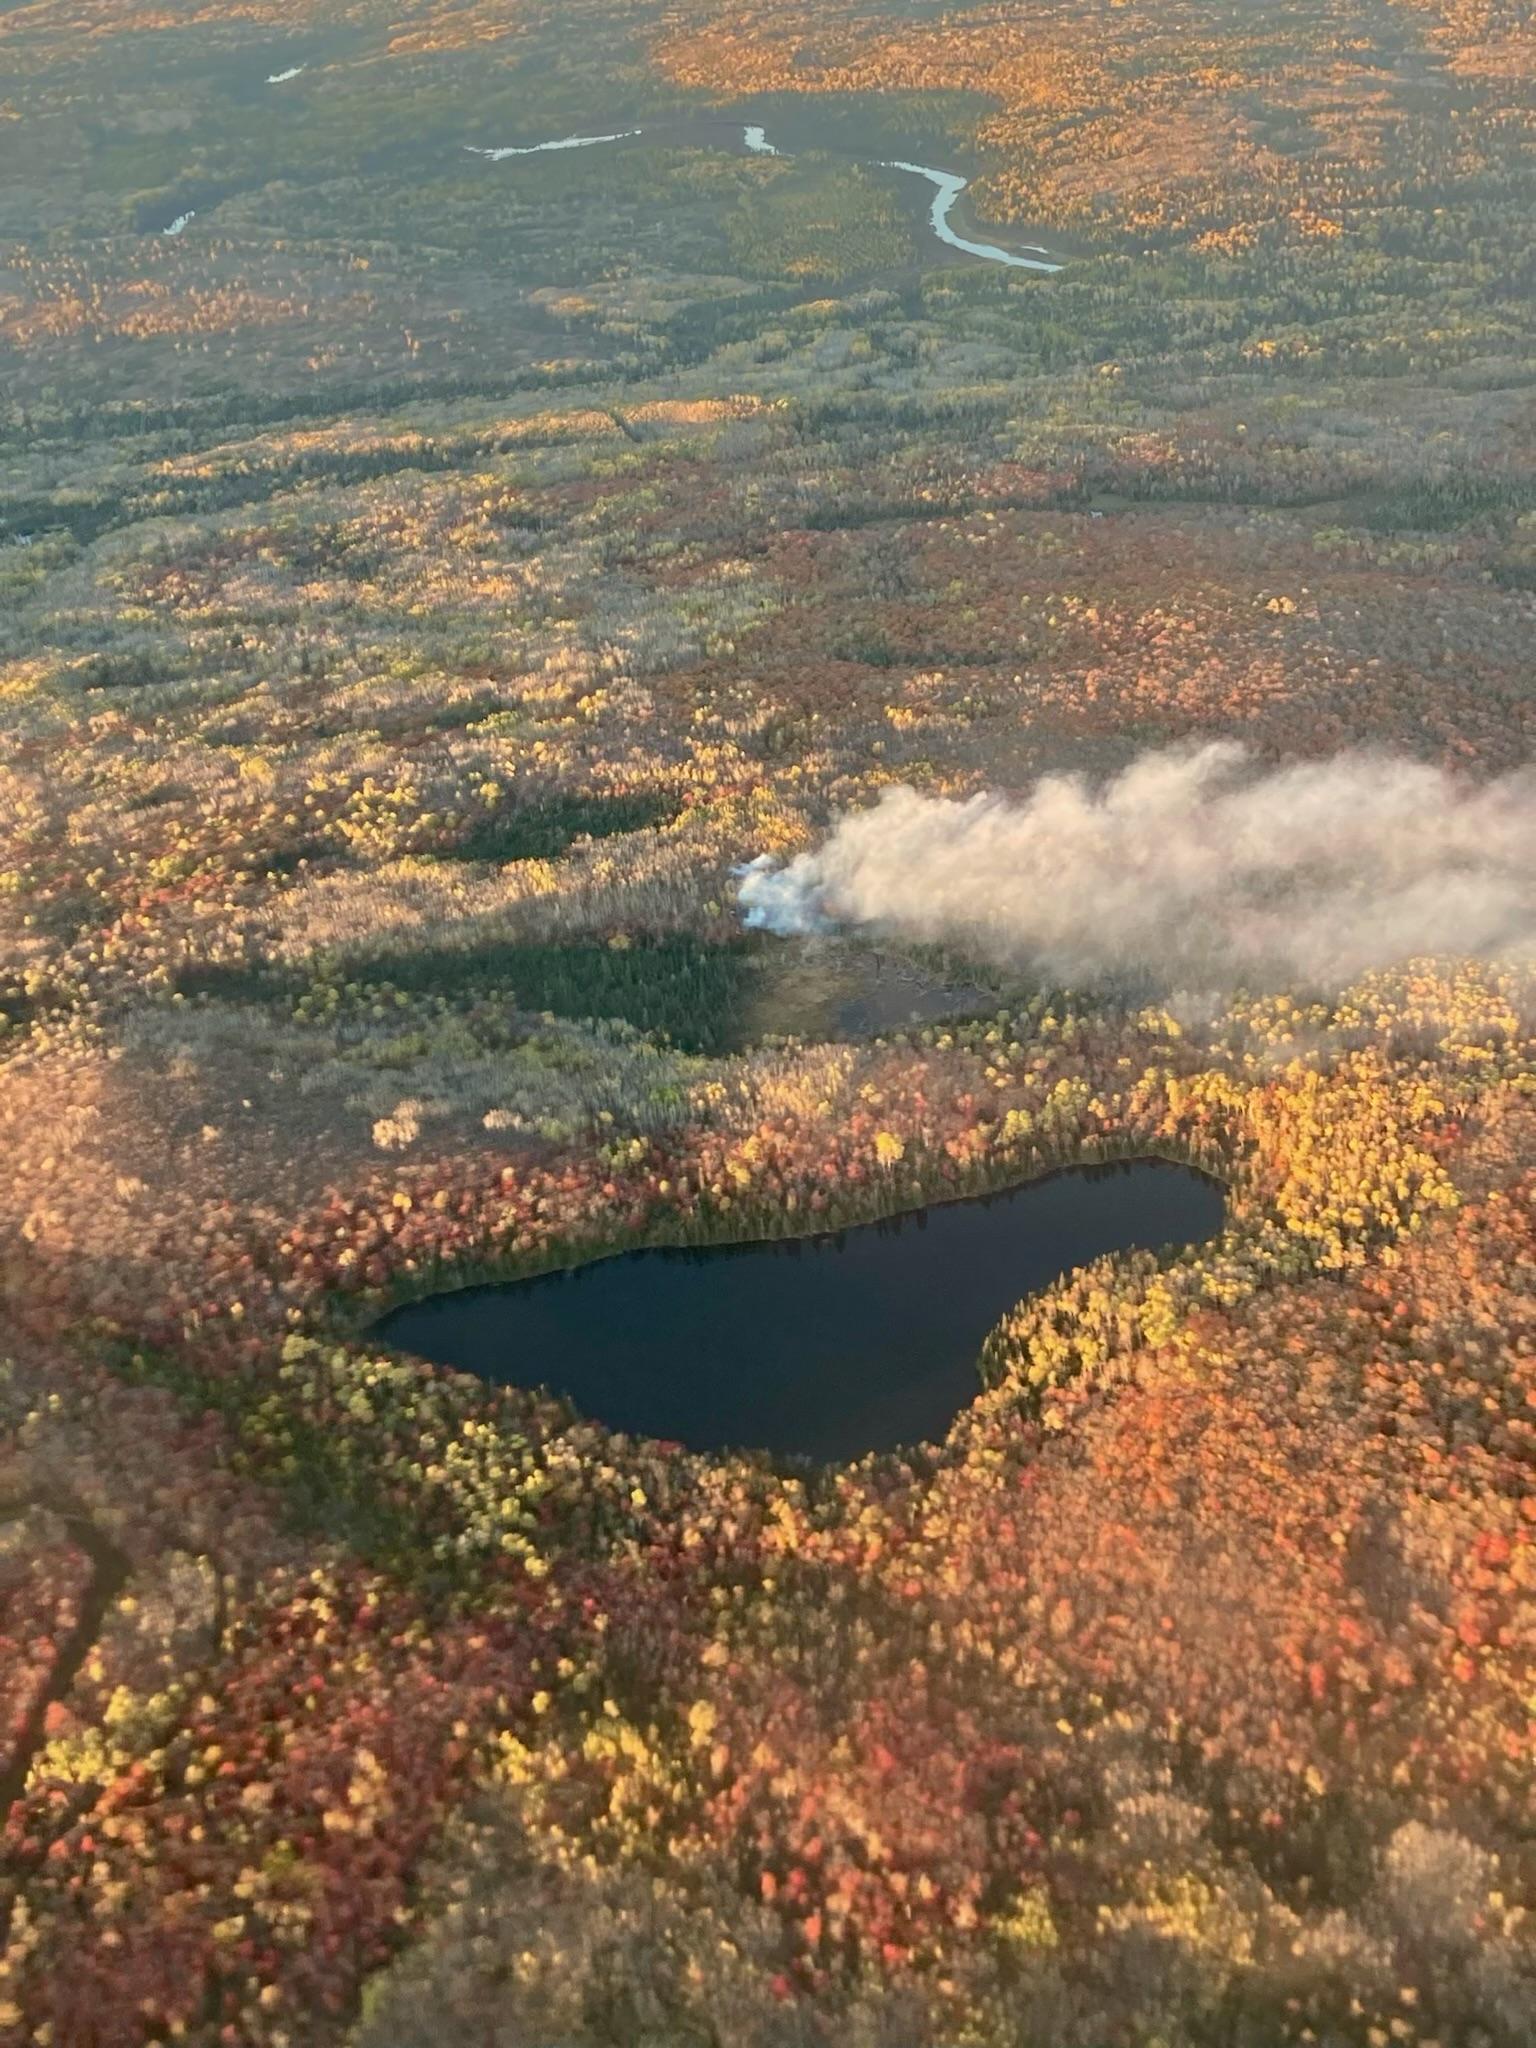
[{"x": 948, "y": 186}]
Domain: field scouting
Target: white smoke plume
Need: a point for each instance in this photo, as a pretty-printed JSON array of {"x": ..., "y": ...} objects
[{"x": 1192, "y": 868}]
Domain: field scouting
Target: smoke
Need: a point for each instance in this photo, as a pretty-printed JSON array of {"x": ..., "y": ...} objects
[{"x": 1192, "y": 868}]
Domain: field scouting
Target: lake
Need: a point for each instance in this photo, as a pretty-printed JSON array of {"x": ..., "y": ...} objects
[{"x": 823, "y": 1347}]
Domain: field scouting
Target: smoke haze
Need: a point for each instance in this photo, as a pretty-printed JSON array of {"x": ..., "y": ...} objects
[{"x": 1192, "y": 868}]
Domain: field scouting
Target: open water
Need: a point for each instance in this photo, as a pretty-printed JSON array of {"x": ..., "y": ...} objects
[{"x": 826, "y": 1347}]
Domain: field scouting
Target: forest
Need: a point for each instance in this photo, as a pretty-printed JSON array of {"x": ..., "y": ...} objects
[{"x": 424, "y": 582}]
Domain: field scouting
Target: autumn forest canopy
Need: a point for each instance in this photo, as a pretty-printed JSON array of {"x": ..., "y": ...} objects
[{"x": 558, "y": 701}]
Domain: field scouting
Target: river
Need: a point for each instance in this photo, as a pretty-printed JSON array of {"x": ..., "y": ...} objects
[{"x": 948, "y": 187}]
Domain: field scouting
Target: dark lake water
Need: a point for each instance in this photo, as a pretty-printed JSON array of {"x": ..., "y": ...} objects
[{"x": 823, "y": 1346}]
